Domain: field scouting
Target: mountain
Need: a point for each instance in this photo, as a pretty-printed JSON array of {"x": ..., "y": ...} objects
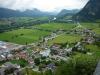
[
  {"x": 5, "y": 13},
  {"x": 90, "y": 12},
  {"x": 64, "y": 13}
]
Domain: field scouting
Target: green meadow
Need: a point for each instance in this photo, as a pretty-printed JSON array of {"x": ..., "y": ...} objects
[
  {"x": 23, "y": 36},
  {"x": 27, "y": 36},
  {"x": 56, "y": 26},
  {"x": 65, "y": 38}
]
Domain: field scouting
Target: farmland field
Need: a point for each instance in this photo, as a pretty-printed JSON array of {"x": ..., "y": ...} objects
[
  {"x": 90, "y": 25},
  {"x": 94, "y": 49},
  {"x": 56, "y": 26},
  {"x": 94, "y": 26},
  {"x": 23, "y": 36},
  {"x": 65, "y": 38},
  {"x": 97, "y": 30}
]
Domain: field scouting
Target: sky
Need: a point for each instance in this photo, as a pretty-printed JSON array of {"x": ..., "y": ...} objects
[{"x": 44, "y": 5}]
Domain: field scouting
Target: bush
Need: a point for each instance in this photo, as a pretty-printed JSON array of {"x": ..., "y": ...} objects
[
  {"x": 82, "y": 65},
  {"x": 20, "y": 62}
]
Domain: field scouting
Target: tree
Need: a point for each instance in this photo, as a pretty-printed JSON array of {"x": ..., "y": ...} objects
[
  {"x": 81, "y": 65},
  {"x": 37, "y": 61},
  {"x": 48, "y": 72},
  {"x": 65, "y": 69}
]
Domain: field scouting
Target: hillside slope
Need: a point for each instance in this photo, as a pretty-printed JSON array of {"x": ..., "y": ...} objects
[{"x": 90, "y": 12}]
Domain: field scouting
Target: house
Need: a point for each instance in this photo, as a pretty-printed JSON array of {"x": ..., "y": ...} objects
[
  {"x": 45, "y": 53},
  {"x": 5, "y": 56},
  {"x": 55, "y": 46},
  {"x": 22, "y": 54},
  {"x": 88, "y": 40},
  {"x": 9, "y": 47},
  {"x": 59, "y": 58},
  {"x": 68, "y": 50},
  {"x": 51, "y": 66},
  {"x": 9, "y": 69}
]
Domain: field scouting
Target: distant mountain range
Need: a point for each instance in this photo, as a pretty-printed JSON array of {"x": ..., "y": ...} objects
[
  {"x": 64, "y": 13},
  {"x": 90, "y": 12},
  {"x": 5, "y": 13}
]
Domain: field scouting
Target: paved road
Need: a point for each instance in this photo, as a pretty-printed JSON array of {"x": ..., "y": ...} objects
[{"x": 97, "y": 71}]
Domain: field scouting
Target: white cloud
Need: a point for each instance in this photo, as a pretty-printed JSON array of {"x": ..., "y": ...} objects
[{"x": 46, "y": 5}]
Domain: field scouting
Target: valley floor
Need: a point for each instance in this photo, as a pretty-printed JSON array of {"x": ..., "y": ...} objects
[{"x": 54, "y": 48}]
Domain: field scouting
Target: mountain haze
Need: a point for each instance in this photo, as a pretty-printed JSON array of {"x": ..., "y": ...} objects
[{"x": 5, "y": 13}]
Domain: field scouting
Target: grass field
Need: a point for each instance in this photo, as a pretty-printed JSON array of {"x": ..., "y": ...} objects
[
  {"x": 27, "y": 19},
  {"x": 96, "y": 30},
  {"x": 90, "y": 25},
  {"x": 94, "y": 49},
  {"x": 56, "y": 26},
  {"x": 21, "y": 36},
  {"x": 94, "y": 26},
  {"x": 21, "y": 20},
  {"x": 65, "y": 38},
  {"x": 4, "y": 22}
]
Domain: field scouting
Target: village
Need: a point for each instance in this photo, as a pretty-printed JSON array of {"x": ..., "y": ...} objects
[{"x": 39, "y": 55}]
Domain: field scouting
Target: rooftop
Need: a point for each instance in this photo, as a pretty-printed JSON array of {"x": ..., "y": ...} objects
[{"x": 6, "y": 46}]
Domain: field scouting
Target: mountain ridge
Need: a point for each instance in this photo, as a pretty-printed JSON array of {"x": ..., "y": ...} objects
[
  {"x": 64, "y": 12},
  {"x": 6, "y": 13},
  {"x": 90, "y": 12}
]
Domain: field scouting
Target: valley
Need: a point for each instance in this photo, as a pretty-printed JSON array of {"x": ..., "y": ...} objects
[
  {"x": 52, "y": 42},
  {"x": 49, "y": 37}
]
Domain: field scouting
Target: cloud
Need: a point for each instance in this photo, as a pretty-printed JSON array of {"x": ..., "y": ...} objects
[
  {"x": 8, "y": 3},
  {"x": 17, "y": 4},
  {"x": 46, "y": 5}
]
